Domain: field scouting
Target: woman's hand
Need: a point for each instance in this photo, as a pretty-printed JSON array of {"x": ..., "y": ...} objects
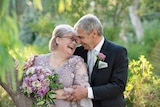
[{"x": 30, "y": 62}]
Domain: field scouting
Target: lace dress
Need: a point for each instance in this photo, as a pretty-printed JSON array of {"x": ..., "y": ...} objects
[{"x": 72, "y": 72}]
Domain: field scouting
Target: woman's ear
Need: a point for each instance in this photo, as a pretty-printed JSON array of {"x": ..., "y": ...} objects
[{"x": 57, "y": 40}]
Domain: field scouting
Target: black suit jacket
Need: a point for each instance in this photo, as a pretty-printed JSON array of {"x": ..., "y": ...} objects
[{"x": 109, "y": 83}]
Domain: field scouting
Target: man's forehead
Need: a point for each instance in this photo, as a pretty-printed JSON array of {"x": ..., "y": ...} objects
[{"x": 80, "y": 35}]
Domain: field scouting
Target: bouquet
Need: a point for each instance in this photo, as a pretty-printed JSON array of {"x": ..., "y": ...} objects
[{"x": 39, "y": 83}]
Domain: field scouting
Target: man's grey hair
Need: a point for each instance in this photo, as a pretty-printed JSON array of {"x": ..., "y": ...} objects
[
  {"x": 60, "y": 31},
  {"x": 88, "y": 23}
]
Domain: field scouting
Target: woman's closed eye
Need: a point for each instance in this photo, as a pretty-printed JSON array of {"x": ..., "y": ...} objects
[{"x": 70, "y": 38}]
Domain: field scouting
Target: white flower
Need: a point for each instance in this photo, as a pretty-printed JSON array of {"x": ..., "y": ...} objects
[
  {"x": 29, "y": 89},
  {"x": 46, "y": 82},
  {"x": 30, "y": 71},
  {"x": 37, "y": 84}
]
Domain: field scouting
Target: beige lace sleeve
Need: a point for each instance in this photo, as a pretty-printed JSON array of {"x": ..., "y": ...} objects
[{"x": 81, "y": 76}]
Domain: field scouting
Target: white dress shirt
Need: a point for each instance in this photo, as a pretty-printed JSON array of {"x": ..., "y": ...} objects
[{"x": 95, "y": 52}]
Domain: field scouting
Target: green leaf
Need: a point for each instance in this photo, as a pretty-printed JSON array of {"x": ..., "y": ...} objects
[{"x": 40, "y": 103}]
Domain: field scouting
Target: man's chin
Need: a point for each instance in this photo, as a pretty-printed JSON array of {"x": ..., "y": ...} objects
[{"x": 86, "y": 48}]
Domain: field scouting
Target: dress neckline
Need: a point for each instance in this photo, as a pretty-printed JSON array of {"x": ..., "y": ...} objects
[{"x": 62, "y": 65}]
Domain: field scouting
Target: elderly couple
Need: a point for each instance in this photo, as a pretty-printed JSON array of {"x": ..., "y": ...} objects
[{"x": 96, "y": 83}]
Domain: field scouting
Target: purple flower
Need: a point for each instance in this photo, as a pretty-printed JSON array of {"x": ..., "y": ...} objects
[
  {"x": 38, "y": 70},
  {"x": 47, "y": 73},
  {"x": 41, "y": 77},
  {"x": 27, "y": 81},
  {"x": 101, "y": 56},
  {"x": 43, "y": 91},
  {"x": 33, "y": 77}
]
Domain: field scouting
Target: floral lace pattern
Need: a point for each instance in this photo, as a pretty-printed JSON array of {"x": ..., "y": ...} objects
[{"x": 72, "y": 72}]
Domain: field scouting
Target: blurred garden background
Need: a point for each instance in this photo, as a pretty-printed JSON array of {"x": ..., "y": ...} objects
[{"x": 26, "y": 27}]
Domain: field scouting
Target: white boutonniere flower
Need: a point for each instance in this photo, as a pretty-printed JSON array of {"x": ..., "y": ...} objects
[{"x": 101, "y": 64}]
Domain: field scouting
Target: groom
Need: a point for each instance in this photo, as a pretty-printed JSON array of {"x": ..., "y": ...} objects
[{"x": 107, "y": 76}]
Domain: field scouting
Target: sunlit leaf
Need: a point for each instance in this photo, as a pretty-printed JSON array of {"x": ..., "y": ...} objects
[
  {"x": 37, "y": 4},
  {"x": 69, "y": 5},
  {"x": 61, "y": 6}
]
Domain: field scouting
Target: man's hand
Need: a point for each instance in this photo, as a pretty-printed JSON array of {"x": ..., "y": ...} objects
[
  {"x": 78, "y": 93},
  {"x": 29, "y": 63}
]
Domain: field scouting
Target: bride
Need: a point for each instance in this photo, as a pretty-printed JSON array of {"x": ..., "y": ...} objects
[{"x": 71, "y": 69}]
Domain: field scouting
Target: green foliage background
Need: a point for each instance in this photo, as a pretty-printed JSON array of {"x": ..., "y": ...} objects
[{"x": 26, "y": 27}]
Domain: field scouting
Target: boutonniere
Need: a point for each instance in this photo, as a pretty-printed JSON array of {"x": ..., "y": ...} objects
[{"x": 101, "y": 57}]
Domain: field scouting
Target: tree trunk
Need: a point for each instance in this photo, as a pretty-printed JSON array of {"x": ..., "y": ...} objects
[
  {"x": 18, "y": 98},
  {"x": 122, "y": 34},
  {"x": 135, "y": 20}
]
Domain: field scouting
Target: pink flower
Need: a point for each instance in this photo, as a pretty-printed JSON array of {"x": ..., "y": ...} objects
[{"x": 101, "y": 56}]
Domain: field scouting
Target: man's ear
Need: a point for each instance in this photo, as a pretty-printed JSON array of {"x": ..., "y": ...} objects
[{"x": 94, "y": 31}]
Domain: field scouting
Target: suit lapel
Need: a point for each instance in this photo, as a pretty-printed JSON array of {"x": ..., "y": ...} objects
[{"x": 95, "y": 68}]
